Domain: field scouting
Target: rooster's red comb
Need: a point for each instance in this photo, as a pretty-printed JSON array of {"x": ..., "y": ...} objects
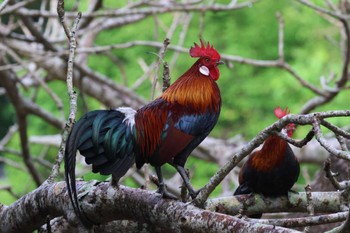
[
  {"x": 204, "y": 51},
  {"x": 281, "y": 113}
]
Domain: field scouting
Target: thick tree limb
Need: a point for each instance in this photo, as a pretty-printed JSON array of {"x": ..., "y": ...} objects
[
  {"x": 324, "y": 202},
  {"x": 103, "y": 203}
]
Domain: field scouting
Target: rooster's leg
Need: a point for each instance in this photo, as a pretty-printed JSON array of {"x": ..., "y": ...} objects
[
  {"x": 182, "y": 172},
  {"x": 114, "y": 181},
  {"x": 162, "y": 188}
]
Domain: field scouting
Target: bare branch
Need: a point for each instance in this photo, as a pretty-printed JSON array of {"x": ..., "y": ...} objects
[
  {"x": 320, "y": 9},
  {"x": 322, "y": 99},
  {"x": 172, "y": 216},
  {"x": 9, "y": 190},
  {"x": 324, "y": 202},
  {"x": 280, "y": 37},
  {"x": 14, "y": 7},
  {"x": 166, "y": 76},
  {"x": 61, "y": 12},
  {"x": 3, "y": 4},
  {"x": 56, "y": 99},
  {"x": 11, "y": 131},
  {"x": 330, "y": 175},
  {"x": 296, "y": 143},
  {"x": 166, "y": 42},
  {"x": 71, "y": 92},
  {"x": 8, "y": 81},
  {"x": 176, "y": 7},
  {"x": 310, "y": 206},
  {"x": 12, "y": 163},
  {"x": 335, "y": 129},
  {"x": 304, "y": 221},
  {"x": 325, "y": 144}
]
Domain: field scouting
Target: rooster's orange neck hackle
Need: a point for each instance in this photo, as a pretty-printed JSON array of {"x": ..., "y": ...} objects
[
  {"x": 194, "y": 92},
  {"x": 197, "y": 88}
]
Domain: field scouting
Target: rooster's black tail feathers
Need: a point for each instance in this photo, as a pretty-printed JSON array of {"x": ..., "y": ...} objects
[{"x": 105, "y": 139}]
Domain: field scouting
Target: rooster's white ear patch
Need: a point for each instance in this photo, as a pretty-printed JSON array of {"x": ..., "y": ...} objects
[{"x": 204, "y": 70}]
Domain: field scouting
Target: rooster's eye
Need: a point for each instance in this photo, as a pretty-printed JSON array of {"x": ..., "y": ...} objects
[{"x": 207, "y": 60}]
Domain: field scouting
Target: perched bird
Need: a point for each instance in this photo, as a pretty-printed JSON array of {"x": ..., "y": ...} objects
[
  {"x": 273, "y": 170},
  {"x": 166, "y": 130}
]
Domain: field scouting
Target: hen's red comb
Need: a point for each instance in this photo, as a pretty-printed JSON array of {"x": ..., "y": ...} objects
[
  {"x": 281, "y": 113},
  {"x": 204, "y": 51}
]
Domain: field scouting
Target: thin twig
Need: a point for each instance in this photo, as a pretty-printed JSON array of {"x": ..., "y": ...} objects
[
  {"x": 3, "y": 4},
  {"x": 343, "y": 185},
  {"x": 10, "y": 191},
  {"x": 343, "y": 79},
  {"x": 304, "y": 221},
  {"x": 186, "y": 22},
  {"x": 23, "y": 133},
  {"x": 72, "y": 94},
  {"x": 10, "y": 133},
  {"x": 45, "y": 86},
  {"x": 12, "y": 8},
  {"x": 201, "y": 24},
  {"x": 320, "y": 9},
  {"x": 145, "y": 10},
  {"x": 331, "y": 176},
  {"x": 342, "y": 142},
  {"x": 280, "y": 37},
  {"x": 297, "y": 143},
  {"x": 12, "y": 163},
  {"x": 61, "y": 13},
  {"x": 335, "y": 129},
  {"x": 309, "y": 205},
  {"x": 166, "y": 76},
  {"x": 161, "y": 53},
  {"x": 325, "y": 144}
]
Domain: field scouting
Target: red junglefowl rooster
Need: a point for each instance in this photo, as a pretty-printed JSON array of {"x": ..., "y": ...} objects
[
  {"x": 166, "y": 130},
  {"x": 273, "y": 170}
]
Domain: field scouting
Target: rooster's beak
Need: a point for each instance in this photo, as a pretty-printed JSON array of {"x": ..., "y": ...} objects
[{"x": 220, "y": 62}]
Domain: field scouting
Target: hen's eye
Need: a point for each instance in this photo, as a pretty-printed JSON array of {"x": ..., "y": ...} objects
[{"x": 207, "y": 60}]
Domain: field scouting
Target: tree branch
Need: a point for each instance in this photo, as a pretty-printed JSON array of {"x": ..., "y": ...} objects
[
  {"x": 103, "y": 203},
  {"x": 72, "y": 94},
  {"x": 3, "y": 4},
  {"x": 324, "y": 202},
  {"x": 8, "y": 81},
  {"x": 174, "y": 7},
  {"x": 304, "y": 221}
]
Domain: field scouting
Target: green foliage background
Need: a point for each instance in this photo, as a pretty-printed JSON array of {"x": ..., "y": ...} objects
[{"x": 249, "y": 93}]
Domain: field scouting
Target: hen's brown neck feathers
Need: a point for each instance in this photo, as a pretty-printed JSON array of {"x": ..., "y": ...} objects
[{"x": 271, "y": 154}]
